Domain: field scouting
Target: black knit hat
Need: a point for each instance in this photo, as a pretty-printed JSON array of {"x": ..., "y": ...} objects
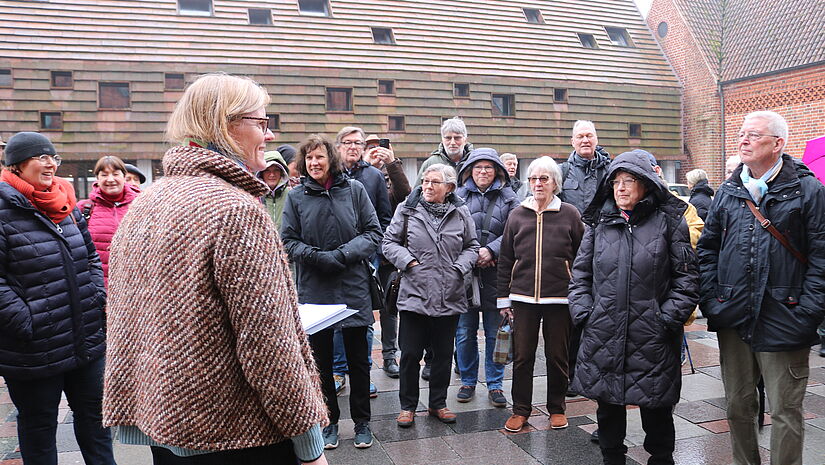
[
  {"x": 130, "y": 168},
  {"x": 25, "y": 145},
  {"x": 288, "y": 152}
]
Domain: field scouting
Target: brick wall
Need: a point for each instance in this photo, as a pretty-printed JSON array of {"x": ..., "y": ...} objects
[
  {"x": 798, "y": 95},
  {"x": 701, "y": 120}
]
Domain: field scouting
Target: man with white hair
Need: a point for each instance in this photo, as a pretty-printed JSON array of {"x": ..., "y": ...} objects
[
  {"x": 453, "y": 148},
  {"x": 762, "y": 268},
  {"x": 731, "y": 164},
  {"x": 584, "y": 169}
]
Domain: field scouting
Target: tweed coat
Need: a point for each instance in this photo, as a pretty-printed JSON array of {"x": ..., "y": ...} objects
[
  {"x": 206, "y": 348},
  {"x": 51, "y": 292},
  {"x": 635, "y": 283}
]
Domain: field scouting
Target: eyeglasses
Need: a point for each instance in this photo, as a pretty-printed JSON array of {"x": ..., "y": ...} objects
[
  {"x": 753, "y": 136},
  {"x": 539, "y": 179},
  {"x": 263, "y": 124},
  {"x": 483, "y": 168},
  {"x": 433, "y": 183},
  {"x": 46, "y": 159},
  {"x": 623, "y": 182},
  {"x": 356, "y": 143}
]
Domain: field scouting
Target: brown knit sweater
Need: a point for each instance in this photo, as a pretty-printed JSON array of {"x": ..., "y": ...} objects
[{"x": 205, "y": 346}]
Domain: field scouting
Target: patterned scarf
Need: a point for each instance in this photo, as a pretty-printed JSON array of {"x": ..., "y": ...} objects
[
  {"x": 57, "y": 202},
  {"x": 436, "y": 210}
]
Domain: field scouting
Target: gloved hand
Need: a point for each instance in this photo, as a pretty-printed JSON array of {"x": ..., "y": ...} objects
[{"x": 330, "y": 261}]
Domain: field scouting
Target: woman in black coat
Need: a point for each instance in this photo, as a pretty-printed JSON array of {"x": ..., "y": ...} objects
[
  {"x": 701, "y": 194},
  {"x": 330, "y": 229},
  {"x": 635, "y": 283},
  {"x": 52, "y": 339}
]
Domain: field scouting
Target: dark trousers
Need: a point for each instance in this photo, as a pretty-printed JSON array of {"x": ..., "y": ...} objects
[
  {"x": 660, "y": 435},
  {"x": 275, "y": 454},
  {"x": 37, "y": 401},
  {"x": 355, "y": 346},
  {"x": 554, "y": 321},
  {"x": 573, "y": 352},
  {"x": 415, "y": 332}
]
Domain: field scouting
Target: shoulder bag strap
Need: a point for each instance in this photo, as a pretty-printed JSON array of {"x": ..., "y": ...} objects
[
  {"x": 485, "y": 224},
  {"x": 766, "y": 223}
]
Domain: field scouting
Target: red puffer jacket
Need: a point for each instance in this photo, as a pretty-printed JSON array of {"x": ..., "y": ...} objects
[{"x": 106, "y": 215}]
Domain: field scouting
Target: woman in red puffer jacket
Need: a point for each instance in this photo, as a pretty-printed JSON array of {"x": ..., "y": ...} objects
[{"x": 107, "y": 205}]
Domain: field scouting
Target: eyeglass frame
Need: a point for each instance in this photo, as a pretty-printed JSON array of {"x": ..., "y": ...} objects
[
  {"x": 544, "y": 179},
  {"x": 623, "y": 182},
  {"x": 264, "y": 127},
  {"x": 483, "y": 168},
  {"x": 56, "y": 159},
  {"x": 753, "y": 136},
  {"x": 433, "y": 183},
  {"x": 349, "y": 143}
]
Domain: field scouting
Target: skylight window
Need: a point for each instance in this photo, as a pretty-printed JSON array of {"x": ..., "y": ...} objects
[
  {"x": 619, "y": 36},
  {"x": 195, "y": 7},
  {"x": 533, "y": 15},
  {"x": 588, "y": 40},
  {"x": 314, "y": 7},
  {"x": 383, "y": 35}
]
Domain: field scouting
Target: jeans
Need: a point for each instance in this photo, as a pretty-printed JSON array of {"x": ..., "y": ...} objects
[
  {"x": 786, "y": 377},
  {"x": 37, "y": 401},
  {"x": 416, "y": 332},
  {"x": 355, "y": 345},
  {"x": 466, "y": 347},
  {"x": 660, "y": 434},
  {"x": 275, "y": 454},
  {"x": 339, "y": 355}
]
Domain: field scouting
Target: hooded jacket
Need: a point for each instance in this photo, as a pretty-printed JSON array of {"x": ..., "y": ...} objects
[
  {"x": 504, "y": 200},
  {"x": 582, "y": 177},
  {"x": 446, "y": 255},
  {"x": 439, "y": 155},
  {"x": 51, "y": 291},
  {"x": 750, "y": 282},
  {"x": 336, "y": 224},
  {"x": 105, "y": 217},
  {"x": 700, "y": 197},
  {"x": 276, "y": 198},
  {"x": 635, "y": 283}
]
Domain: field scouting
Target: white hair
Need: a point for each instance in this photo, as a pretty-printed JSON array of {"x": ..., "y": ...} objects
[
  {"x": 776, "y": 123},
  {"x": 547, "y": 165},
  {"x": 344, "y": 132},
  {"x": 583, "y": 122},
  {"x": 508, "y": 156},
  {"x": 455, "y": 125},
  {"x": 447, "y": 173},
  {"x": 694, "y": 176}
]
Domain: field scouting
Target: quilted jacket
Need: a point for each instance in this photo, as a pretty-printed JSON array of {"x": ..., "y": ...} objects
[
  {"x": 635, "y": 283},
  {"x": 51, "y": 292}
]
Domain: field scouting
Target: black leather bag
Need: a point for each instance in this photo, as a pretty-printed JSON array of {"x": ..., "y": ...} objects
[
  {"x": 376, "y": 291},
  {"x": 394, "y": 287}
]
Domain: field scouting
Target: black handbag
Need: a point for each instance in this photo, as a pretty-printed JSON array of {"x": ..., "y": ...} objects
[
  {"x": 376, "y": 291},
  {"x": 391, "y": 305}
]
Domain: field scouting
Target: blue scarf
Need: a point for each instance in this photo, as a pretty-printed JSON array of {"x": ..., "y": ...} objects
[{"x": 759, "y": 187}]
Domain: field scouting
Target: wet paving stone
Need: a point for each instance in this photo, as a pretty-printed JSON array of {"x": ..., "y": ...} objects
[
  {"x": 480, "y": 420},
  {"x": 424, "y": 427},
  {"x": 699, "y": 411}
]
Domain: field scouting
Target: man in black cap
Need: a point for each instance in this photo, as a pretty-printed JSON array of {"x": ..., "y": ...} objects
[
  {"x": 134, "y": 176},
  {"x": 288, "y": 153}
]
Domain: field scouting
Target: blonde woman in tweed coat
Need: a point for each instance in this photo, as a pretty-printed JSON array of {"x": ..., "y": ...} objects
[{"x": 207, "y": 361}]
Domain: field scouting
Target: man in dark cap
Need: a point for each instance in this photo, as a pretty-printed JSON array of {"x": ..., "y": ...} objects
[
  {"x": 134, "y": 176},
  {"x": 288, "y": 153}
]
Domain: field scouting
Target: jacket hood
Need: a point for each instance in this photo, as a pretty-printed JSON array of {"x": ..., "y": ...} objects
[
  {"x": 274, "y": 158},
  {"x": 468, "y": 147},
  {"x": 479, "y": 154},
  {"x": 415, "y": 197},
  {"x": 637, "y": 163},
  {"x": 600, "y": 158},
  {"x": 702, "y": 187}
]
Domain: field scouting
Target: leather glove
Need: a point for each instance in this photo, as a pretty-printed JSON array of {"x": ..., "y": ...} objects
[{"x": 330, "y": 261}]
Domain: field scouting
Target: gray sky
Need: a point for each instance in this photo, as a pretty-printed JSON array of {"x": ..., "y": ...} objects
[{"x": 643, "y": 5}]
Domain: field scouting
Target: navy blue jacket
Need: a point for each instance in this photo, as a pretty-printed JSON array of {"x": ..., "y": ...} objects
[
  {"x": 51, "y": 291},
  {"x": 750, "y": 282},
  {"x": 373, "y": 180}
]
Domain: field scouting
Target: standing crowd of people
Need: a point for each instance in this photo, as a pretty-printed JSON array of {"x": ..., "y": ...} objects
[{"x": 172, "y": 313}]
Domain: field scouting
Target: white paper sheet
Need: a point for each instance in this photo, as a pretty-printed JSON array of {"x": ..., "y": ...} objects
[{"x": 315, "y": 317}]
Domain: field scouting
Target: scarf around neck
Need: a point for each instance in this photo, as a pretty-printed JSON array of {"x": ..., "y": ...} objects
[
  {"x": 57, "y": 202},
  {"x": 437, "y": 210},
  {"x": 759, "y": 187}
]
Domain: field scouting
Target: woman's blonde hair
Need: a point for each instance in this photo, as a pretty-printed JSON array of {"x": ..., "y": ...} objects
[{"x": 210, "y": 105}]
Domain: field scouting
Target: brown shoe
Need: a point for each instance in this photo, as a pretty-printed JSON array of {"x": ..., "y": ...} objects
[
  {"x": 405, "y": 419},
  {"x": 515, "y": 423},
  {"x": 558, "y": 421},
  {"x": 443, "y": 414}
]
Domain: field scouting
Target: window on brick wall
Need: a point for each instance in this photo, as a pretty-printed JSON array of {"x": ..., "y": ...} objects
[
  {"x": 260, "y": 16},
  {"x": 51, "y": 120},
  {"x": 504, "y": 105},
  {"x": 339, "y": 99},
  {"x": 662, "y": 30},
  {"x": 5, "y": 77},
  {"x": 634, "y": 130},
  {"x": 62, "y": 80},
  {"x": 195, "y": 7},
  {"x": 397, "y": 123},
  {"x": 461, "y": 90},
  {"x": 174, "y": 81},
  {"x": 386, "y": 87},
  {"x": 113, "y": 96}
]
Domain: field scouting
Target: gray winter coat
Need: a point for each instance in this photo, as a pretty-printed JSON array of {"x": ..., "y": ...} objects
[
  {"x": 330, "y": 241},
  {"x": 634, "y": 285},
  {"x": 446, "y": 255},
  {"x": 582, "y": 178},
  {"x": 504, "y": 201}
]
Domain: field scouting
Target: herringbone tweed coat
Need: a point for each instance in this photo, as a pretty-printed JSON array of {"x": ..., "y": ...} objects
[{"x": 206, "y": 349}]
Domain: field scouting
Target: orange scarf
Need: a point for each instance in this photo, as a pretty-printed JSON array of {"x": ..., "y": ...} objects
[{"x": 57, "y": 202}]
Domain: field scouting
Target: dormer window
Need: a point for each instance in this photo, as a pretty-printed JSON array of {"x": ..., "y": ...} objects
[
  {"x": 314, "y": 7},
  {"x": 533, "y": 15},
  {"x": 383, "y": 35}
]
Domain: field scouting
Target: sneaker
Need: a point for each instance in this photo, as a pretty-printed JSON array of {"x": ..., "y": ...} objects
[
  {"x": 465, "y": 393},
  {"x": 594, "y": 436},
  {"x": 363, "y": 435},
  {"x": 558, "y": 421},
  {"x": 340, "y": 382},
  {"x": 497, "y": 398},
  {"x": 391, "y": 368},
  {"x": 515, "y": 423},
  {"x": 405, "y": 419},
  {"x": 330, "y": 434},
  {"x": 373, "y": 391},
  {"x": 425, "y": 373}
]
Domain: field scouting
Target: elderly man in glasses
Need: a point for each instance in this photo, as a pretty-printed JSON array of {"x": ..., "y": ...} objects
[
  {"x": 453, "y": 149},
  {"x": 762, "y": 269}
]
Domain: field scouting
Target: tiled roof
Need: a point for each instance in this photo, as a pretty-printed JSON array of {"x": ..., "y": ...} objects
[
  {"x": 489, "y": 37},
  {"x": 758, "y": 36}
]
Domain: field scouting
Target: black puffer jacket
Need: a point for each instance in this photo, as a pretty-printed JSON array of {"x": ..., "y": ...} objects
[
  {"x": 749, "y": 280},
  {"x": 581, "y": 178},
  {"x": 504, "y": 200},
  {"x": 51, "y": 292},
  {"x": 634, "y": 285},
  {"x": 701, "y": 197},
  {"x": 320, "y": 226},
  {"x": 373, "y": 181}
]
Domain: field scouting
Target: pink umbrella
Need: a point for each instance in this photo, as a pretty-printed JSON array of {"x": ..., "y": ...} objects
[{"x": 815, "y": 157}]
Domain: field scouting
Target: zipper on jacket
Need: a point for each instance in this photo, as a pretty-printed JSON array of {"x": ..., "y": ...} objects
[
  {"x": 567, "y": 265},
  {"x": 539, "y": 246}
]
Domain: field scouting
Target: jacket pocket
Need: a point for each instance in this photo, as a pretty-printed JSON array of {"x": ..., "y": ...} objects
[
  {"x": 570, "y": 183},
  {"x": 785, "y": 295}
]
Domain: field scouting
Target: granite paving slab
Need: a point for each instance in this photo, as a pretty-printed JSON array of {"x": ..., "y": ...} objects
[
  {"x": 480, "y": 420},
  {"x": 425, "y": 426},
  {"x": 813, "y": 448},
  {"x": 701, "y": 386},
  {"x": 815, "y": 404},
  {"x": 348, "y": 454},
  {"x": 699, "y": 411},
  {"x": 712, "y": 449},
  {"x": 418, "y": 451},
  {"x": 561, "y": 447}
]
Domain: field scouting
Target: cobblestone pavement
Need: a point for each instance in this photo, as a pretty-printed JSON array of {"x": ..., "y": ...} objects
[{"x": 478, "y": 436}]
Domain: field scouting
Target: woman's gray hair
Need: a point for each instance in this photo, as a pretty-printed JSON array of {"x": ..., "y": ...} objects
[
  {"x": 447, "y": 173},
  {"x": 547, "y": 165},
  {"x": 455, "y": 125},
  {"x": 694, "y": 176}
]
